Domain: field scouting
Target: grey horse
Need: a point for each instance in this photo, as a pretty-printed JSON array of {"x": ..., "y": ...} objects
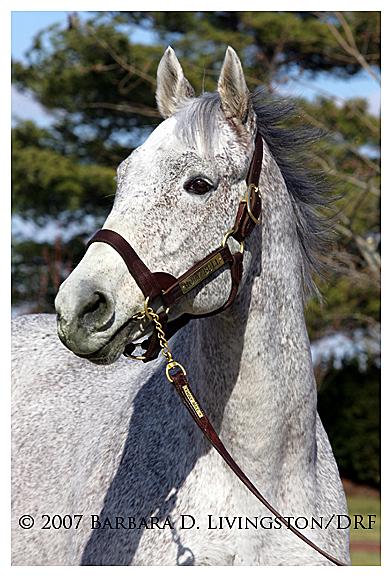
[{"x": 107, "y": 462}]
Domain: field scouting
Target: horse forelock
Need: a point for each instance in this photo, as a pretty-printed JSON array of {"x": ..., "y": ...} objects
[{"x": 199, "y": 123}]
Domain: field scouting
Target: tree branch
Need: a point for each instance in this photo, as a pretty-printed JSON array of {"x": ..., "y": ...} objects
[
  {"x": 348, "y": 43},
  {"x": 117, "y": 58},
  {"x": 132, "y": 108}
]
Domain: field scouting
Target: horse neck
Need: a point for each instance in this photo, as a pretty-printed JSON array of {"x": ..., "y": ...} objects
[{"x": 251, "y": 365}]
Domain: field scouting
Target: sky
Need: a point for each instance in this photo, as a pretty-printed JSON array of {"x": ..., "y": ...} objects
[
  {"x": 24, "y": 27},
  {"x": 26, "y": 24}
]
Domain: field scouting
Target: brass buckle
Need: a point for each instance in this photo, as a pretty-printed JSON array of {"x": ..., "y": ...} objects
[
  {"x": 172, "y": 365},
  {"x": 248, "y": 197},
  {"x": 229, "y": 233}
]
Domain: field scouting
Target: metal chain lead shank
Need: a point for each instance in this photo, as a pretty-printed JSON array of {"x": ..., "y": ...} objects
[{"x": 171, "y": 363}]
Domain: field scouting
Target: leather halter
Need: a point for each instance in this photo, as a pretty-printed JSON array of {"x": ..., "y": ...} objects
[{"x": 171, "y": 290}]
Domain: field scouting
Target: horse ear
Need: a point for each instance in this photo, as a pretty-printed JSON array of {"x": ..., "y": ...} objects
[
  {"x": 232, "y": 87},
  {"x": 172, "y": 86}
]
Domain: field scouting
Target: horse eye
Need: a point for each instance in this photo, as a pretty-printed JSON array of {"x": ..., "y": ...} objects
[{"x": 198, "y": 186}]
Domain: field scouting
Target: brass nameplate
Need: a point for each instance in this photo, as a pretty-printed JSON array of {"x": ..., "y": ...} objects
[
  {"x": 192, "y": 401},
  {"x": 201, "y": 273}
]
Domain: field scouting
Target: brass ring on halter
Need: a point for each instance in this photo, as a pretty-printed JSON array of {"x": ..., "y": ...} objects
[
  {"x": 139, "y": 316},
  {"x": 228, "y": 235},
  {"x": 248, "y": 197},
  {"x": 146, "y": 311},
  {"x": 146, "y": 308},
  {"x": 172, "y": 365}
]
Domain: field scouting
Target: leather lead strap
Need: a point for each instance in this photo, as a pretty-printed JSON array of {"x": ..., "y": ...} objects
[{"x": 182, "y": 387}]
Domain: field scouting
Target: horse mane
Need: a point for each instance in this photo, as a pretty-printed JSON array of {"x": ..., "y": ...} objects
[{"x": 290, "y": 142}]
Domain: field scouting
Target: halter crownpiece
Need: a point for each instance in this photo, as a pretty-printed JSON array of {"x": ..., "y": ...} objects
[{"x": 171, "y": 290}]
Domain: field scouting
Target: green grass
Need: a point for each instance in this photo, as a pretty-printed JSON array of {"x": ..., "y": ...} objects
[{"x": 365, "y": 505}]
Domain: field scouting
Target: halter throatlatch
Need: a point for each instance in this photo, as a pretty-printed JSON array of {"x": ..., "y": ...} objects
[{"x": 171, "y": 290}]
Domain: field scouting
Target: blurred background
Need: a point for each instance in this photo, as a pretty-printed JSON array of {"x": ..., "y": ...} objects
[{"x": 83, "y": 98}]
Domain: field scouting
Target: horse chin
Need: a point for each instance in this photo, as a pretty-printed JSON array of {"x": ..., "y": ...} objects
[
  {"x": 113, "y": 349},
  {"x": 107, "y": 355}
]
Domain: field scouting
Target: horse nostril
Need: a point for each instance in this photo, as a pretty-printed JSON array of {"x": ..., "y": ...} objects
[
  {"x": 97, "y": 301},
  {"x": 98, "y": 310}
]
